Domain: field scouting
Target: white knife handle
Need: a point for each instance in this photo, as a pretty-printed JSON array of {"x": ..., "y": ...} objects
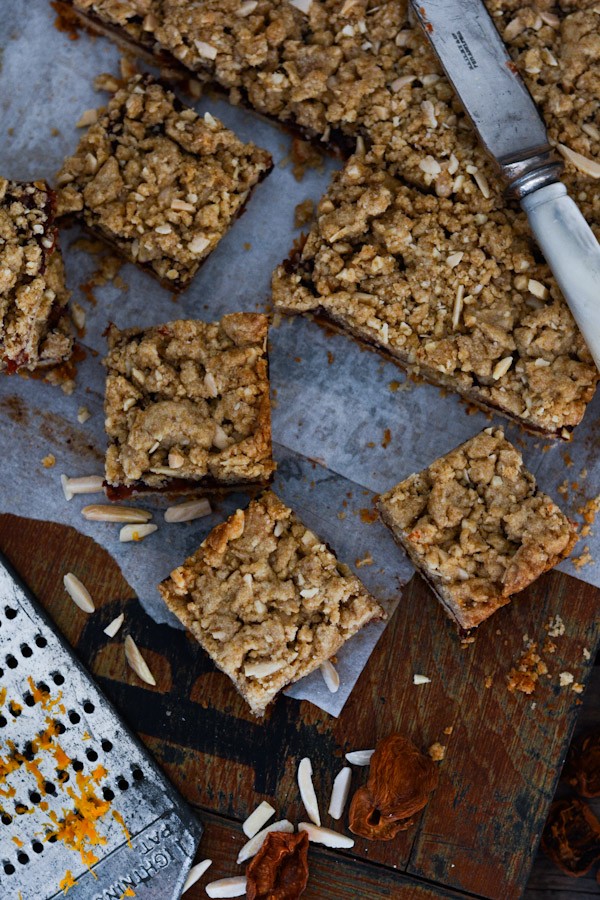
[{"x": 573, "y": 254}]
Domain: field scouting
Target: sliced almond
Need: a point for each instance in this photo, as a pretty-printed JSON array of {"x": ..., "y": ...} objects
[
  {"x": 252, "y": 847},
  {"x": 302, "y": 5},
  {"x": 87, "y": 118},
  {"x": 112, "y": 627},
  {"x": 137, "y": 661},
  {"x": 101, "y": 513},
  {"x": 246, "y": 9},
  {"x": 186, "y": 512},
  {"x": 340, "y": 792},
  {"x": 263, "y": 669},
  {"x": 257, "y": 819},
  {"x": 326, "y": 836},
  {"x": 206, "y": 50},
  {"x": 401, "y": 82},
  {"x": 195, "y": 874},
  {"x": 360, "y": 757},
  {"x": 502, "y": 367},
  {"x": 227, "y": 887},
  {"x": 330, "y": 676},
  {"x": 536, "y": 288},
  {"x": 220, "y": 440},
  {"x": 78, "y": 593},
  {"x": 454, "y": 259},
  {"x": 421, "y": 679},
  {"x": 136, "y": 532},
  {"x": 198, "y": 244},
  {"x": 307, "y": 790},
  {"x": 588, "y": 166},
  {"x": 86, "y": 484}
]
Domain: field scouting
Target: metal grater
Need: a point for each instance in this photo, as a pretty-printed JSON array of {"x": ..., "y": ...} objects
[{"x": 147, "y": 846}]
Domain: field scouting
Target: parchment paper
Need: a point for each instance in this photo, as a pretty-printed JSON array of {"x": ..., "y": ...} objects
[{"x": 333, "y": 402}]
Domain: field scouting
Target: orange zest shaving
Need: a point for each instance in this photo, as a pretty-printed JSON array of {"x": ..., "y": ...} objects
[
  {"x": 119, "y": 818},
  {"x": 77, "y": 829},
  {"x": 67, "y": 882}
]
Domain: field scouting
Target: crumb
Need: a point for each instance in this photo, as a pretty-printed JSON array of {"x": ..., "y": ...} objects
[
  {"x": 588, "y": 510},
  {"x": 128, "y": 67},
  {"x": 555, "y": 626},
  {"x": 577, "y": 688},
  {"x": 330, "y": 357},
  {"x": 387, "y": 437},
  {"x": 488, "y": 682},
  {"x": 470, "y": 639},
  {"x": 247, "y": 245},
  {"x": 304, "y": 155},
  {"x": 583, "y": 474},
  {"x": 568, "y": 459},
  {"x": 563, "y": 488},
  {"x": 584, "y": 559},
  {"x": 67, "y": 387},
  {"x": 83, "y": 414},
  {"x": 303, "y": 213},
  {"x": 586, "y": 654},
  {"x": 370, "y": 444},
  {"x": 78, "y": 317},
  {"x": 365, "y": 561},
  {"x": 525, "y": 675},
  {"x": 449, "y": 730},
  {"x": 368, "y": 516},
  {"x": 298, "y": 359},
  {"x": 437, "y": 751},
  {"x": 54, "y": 132},
  {"x": 49, "y": 461},
  {"x": 549, "y": 646},
  {"x": 341, "y": 516},
  {"x": 393, "y": 386},
  {"x": 565, "y": 678},
  {"x": 107, "y": 82},
  {"x": 10, "y": 132},
  {"x": 533, "y": 705}
]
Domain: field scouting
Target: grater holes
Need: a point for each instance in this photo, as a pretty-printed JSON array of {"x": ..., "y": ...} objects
[
  {"x": 74, "y": 717},
  {"x": 21, "y": 809},
  {"x": 122, "y": 783},
  {"x": 10, "y": 612},
  {"x": 37, "y": 847},
  {"x": 35, "y": 797},
  {"x": 28, "y": 699},
  {"x": 106, "y": 745},
  {"x": 40, "y": 641},
  {"x": 11, "y": 661},
  {"x": 76, "y": 765},
  {"x": 5, "y": 819},
  {"x": 57, "y": 678},
  {"x": 15, "y": 709},
  {"x": 26, "y": 651},
  {"x": 50, "y": 788},
  {"x": 43, "y": 687},
  {"x": 91, "y": 755},
  {"x": 88, "y": 707},
  {"x": 9, "y": 869},
  {"x": 108, "y": 794},
  {"x": 60, "y": 728},
  {"x": 28, "y": 751},
  {"x": 63, "y": 776},
  {"x": 3, "y": 721},
  {"x": 137, "y": 774},
  {"x": 22, "y": 858}
]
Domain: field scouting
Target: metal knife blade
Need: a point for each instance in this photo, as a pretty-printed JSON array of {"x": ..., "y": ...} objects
[{"x": 483, "y": 75}]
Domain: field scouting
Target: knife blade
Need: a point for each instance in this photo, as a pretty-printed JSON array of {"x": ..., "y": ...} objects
[{"x": 477, "y": 64}]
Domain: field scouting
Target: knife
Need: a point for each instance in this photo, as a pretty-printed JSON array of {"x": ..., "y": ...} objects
[{"x": 502, "y": 110}]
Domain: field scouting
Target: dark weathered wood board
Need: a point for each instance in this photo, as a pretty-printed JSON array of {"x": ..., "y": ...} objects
[{"x": 503, "y": 757}]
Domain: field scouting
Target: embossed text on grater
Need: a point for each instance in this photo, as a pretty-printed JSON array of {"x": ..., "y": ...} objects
[{"x": 82, "y": 806}]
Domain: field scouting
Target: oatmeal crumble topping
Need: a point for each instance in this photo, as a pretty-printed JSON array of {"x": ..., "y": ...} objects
[
  {"x": 450, "y": 294},
  {"x": 34, "y": 327},
  {"x": 159, "y": 182},
  {"x": 188, "y": 400},
  {"x": 267, "y": 600},
  {"x": 476, "y": 527}
]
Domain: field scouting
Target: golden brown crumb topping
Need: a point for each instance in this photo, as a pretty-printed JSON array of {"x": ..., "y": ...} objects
[
  {"x": 476, "y": 525},
  {"x": 267, "y": 600},
  {"x": 158, "y": 181},
  {"x": 455, "y": 295},
  {"x": 34, "y": 330},
  {"x": 189, "y": 401}
]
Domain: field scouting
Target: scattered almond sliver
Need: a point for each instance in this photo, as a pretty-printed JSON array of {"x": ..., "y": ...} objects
[
  {"x": 257, "y": 819},
  {"x": 227, "y": 887},
  {"x": 136, "y": 532},
  {"x": 590, "y": 167},
  {"x": 137, "y": 661},
  {"x": 185, "y": 512},
  {"x": 360, "y": 757},
  {"x": 421, "y": 679},
  {"x": 78, "y": 593},
  {"x": 252, "y": 847},
  {"x": 112, "y": 628},
  {"x": 307, "y": 790},
  {"x": 195, "y": 874},
  {"x": 86, "y": 484},
  {"x": 105, "y": 513},
  {"x": 326, "y": 836},
  {"x": 330, "y": 676},
  {"x": 340, "y": 792}
]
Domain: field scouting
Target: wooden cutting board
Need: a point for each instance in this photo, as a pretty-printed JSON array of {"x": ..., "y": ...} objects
[{"x": 503, "y": 751}]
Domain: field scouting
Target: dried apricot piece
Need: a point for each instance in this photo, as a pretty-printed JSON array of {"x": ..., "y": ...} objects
[
  {"x": 571, "y": 837},
  {"x": 279, "y": 871}
]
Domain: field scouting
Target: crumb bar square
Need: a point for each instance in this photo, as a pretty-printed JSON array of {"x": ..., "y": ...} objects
[
  {"x": 455, "y": 296},
  {"x": 159, "y": 182},
  {"x": 476, "y": 526},
  {"x": 267, "y": 600},
  {"x": 187, "y": 406},
  {"x": 34, "y": 324}
]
